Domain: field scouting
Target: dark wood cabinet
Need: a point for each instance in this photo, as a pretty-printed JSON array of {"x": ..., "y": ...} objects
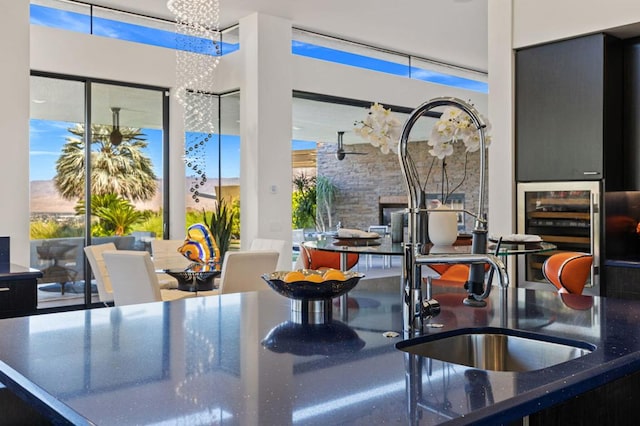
[
  {"x": 18, "y": 291},
  {"x": 569, "y": 111},
  {"x": 17, "y": 297}
]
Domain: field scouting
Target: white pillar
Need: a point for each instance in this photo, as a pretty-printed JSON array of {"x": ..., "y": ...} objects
[
  {"x": 14, "y": 126},
  {"x": 501, "y": 112},
  {"x": 177, "y": 220},
  {"x": 265, "y": 128},
  {"x": 502, "y": 200}
]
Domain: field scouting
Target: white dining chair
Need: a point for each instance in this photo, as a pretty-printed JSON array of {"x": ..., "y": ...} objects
[
  {"x": 166, "y": 256},
  {"x": 242, "y": 270},
  {"x": 134, "y": 280},
  {"x": 99, "y": 269},
  {"x": 285, "y": 256},
  {"x": 382, "y": 230}
]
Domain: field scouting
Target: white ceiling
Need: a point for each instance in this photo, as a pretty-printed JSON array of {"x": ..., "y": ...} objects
[{"x": 451, "y": 31}]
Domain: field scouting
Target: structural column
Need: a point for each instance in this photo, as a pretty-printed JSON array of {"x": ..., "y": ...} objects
[
  {"x": 265, "y": 128},
  {"x": 14, "y": 125}
]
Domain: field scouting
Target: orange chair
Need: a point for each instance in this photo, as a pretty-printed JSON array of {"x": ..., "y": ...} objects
[
  {"x": 320, "y": 259},
  {"x": 568, "y": 271},
  {"x": 450, "y": 274}
]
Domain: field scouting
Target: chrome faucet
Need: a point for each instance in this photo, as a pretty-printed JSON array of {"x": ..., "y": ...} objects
[{"x": 414, "y": 256}]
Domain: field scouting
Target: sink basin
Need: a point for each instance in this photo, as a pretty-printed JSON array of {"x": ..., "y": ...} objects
[{"x": 497, "y": 349}]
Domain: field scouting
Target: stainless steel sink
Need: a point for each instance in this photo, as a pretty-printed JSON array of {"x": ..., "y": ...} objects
[{"x": 497, "y": 349}]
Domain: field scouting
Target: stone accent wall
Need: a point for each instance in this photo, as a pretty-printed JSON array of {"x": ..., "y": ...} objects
[{"x": 362, "y": 179}]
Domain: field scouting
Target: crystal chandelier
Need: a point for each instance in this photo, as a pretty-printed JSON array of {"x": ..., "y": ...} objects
[{"x": 197, "y": 56}]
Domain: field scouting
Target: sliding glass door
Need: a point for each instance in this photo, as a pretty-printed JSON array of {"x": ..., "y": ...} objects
[{"x": 125, "y": 165}]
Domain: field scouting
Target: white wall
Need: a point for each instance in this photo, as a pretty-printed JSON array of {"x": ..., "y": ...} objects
[
  {"x": 538, "y": 21},
  {"x": 14, "y": 127}
]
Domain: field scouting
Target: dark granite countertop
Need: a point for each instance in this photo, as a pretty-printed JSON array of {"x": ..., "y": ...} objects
[
  {"x": 239, "y": 359},
  {"x": 11, "y": 271}
]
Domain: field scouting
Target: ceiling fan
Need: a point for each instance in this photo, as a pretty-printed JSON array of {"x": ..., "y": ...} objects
[
  {"x": 115, "y": 137},
  {"x": 341, "y": 153}
]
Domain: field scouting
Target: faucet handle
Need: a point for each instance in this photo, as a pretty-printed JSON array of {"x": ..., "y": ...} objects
[{"x": 430, "y": 308}]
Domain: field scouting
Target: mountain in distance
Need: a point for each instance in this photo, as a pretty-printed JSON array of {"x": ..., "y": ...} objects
[{"x": 45, "y": 197}]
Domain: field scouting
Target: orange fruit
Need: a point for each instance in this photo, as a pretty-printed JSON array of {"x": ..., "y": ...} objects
[
  {"x": 294, "y": 276},
  {"x": 314, "y": 278},
  {"x": 334, "y": 275}
]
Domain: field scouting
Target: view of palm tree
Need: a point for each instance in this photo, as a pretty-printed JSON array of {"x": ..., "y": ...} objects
[{"x": 121, "y": 169}]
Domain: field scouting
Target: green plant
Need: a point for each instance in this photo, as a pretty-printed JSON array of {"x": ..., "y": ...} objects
[
  {"x": 304, "y": 201},
  {"x": 153, "y": 223},
  {"x": 235, "y": 225},
  {"x": 220, "y": 224},
  {"x": 45, "y": 229},
  {"x": 326, "y": 195},
  {"x": 116, "y": 216}
]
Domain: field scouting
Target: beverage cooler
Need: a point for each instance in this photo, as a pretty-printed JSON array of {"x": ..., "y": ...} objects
[{"x": 566, "y": 214}]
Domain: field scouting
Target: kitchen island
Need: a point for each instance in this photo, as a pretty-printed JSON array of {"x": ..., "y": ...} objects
[{"x": 240, "y": 359}]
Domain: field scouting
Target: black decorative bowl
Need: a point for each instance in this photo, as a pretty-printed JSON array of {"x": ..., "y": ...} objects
[
  {"x": 195, "y": 277},
  {"x": 308, "y": 290},
  {"x": 313, "y": 339}
]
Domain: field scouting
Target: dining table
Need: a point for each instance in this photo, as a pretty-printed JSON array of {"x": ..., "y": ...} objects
[{"x": 385, "y": 246}]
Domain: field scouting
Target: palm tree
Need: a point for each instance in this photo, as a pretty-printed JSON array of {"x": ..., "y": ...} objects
[
  {"x": 326, "y": 195},
  {"x": 120, "y": 169},
  {"x": 115, "y": 215}
]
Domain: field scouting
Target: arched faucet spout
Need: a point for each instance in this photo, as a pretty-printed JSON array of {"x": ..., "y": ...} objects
[{"x": 476, "y": 286}]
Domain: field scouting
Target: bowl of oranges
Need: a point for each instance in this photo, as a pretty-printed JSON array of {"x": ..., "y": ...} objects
[{"x": 309, "y": 284}]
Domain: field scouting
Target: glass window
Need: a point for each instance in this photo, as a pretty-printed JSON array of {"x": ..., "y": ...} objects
[
  {"x": 61, "y": 14},
  {"x": 105, "y": 22},
  {"x": 345, "y": 52},
  {"x": 57, "y": 233},
  {"x": 130, "y": 27},
  {"x": 212, "y": 156}
]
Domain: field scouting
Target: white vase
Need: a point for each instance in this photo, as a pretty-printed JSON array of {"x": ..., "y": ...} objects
[{"x": 443, "y": 226}]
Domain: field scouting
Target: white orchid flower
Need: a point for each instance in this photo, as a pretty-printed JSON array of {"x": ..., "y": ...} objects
[
  {"x": 455, "y": 124},
  {"x": 380, "y": 128},
  {"x": 441, "y": 149}
]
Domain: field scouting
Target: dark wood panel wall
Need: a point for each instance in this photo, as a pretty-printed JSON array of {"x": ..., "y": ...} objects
[{"x": 631, "y": 113}]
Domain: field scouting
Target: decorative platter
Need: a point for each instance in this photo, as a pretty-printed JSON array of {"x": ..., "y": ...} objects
[
  {"x": 194, "y": 280},
  {"x": 356, "y": 242},
  {"x": 308, "y": 290}
]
